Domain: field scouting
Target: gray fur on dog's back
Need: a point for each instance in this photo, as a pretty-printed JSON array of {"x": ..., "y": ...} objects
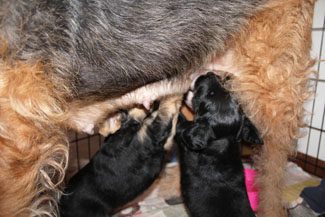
[{"x": 110, "y": 47}]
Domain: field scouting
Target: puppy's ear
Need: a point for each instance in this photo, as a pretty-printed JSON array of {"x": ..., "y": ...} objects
[
  {"x": 249, "y": 133},
  {"x": 196, "y": 136}
]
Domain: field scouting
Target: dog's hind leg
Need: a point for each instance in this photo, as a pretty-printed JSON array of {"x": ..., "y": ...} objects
[{"x": 273, "y": 55}]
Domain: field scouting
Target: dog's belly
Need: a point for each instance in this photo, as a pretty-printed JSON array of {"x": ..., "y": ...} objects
[{"x": 85, "y": 115}]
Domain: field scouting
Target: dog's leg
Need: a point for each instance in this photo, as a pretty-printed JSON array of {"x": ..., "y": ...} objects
[
  {"x": 110, "y": 125},
  {"x": 113, "y": 123},
  {"x": 33, "y": 149},
  {"x": 273, "y": 55},
  {"x": 172, "y": 106},
  {"x": 166, "y": 114}
]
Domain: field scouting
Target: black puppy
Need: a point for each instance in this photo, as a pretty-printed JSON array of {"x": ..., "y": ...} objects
[
  {"x": 126, "y": 165},
  {"x": 212, "y": 177}
]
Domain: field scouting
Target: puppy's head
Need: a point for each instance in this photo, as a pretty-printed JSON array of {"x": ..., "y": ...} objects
[
  {"x": 210, "y": 97},
  {"x": 217, "y": 115},
  {"x": 213, "y": 104}
]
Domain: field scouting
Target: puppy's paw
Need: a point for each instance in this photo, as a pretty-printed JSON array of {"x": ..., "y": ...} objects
[
  {"x": 137, "y": 114},
  {"x": 110, "y": 125},
  {"x": 250, "y": 133},
  {"x": 195, "y": 138}
]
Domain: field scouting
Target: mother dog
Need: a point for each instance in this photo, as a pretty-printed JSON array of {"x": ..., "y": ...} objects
[{"x": 63, "y": 59}]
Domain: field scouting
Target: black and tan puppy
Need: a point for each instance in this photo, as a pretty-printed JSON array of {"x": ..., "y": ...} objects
[
  {"x": 126, "y": 165},
  {"x": 212, "y": 174}
]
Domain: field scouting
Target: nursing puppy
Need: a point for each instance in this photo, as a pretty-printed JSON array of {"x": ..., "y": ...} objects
[
  {"x": 212, "y": 177},
  {"x": 127, "y": 164}
]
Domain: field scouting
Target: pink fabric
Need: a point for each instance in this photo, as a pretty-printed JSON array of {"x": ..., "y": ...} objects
[{"x": 251, "y": 187}]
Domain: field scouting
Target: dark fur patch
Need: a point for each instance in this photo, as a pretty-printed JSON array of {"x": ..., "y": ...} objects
[{"x": 212, "y": 177}]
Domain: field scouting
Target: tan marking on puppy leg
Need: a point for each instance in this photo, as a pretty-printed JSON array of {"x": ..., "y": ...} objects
[
  {"x": 187, "y": 113},
  {"x": 137, "y": 113},
  {"x": 170, "y": 141},
  {"x": 110, "y": 125},
  {"x": 142, "y": 134},
  {"x": 168, "y": 110},
  {"x": 170, "y": 107}
]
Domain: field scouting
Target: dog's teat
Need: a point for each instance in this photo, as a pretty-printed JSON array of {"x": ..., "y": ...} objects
[{"x": 188, "y": 99}]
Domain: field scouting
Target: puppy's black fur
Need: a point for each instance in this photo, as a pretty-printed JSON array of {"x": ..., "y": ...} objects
[
  {"x": 125, "y": 166},
  {"x": 212, "y": 174}
]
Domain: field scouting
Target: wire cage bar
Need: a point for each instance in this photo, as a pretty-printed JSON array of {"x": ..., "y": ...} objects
[{"x": 311, "y": 148}]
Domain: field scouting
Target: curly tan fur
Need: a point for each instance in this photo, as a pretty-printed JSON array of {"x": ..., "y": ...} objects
[
  {"x": 273, "y": 58},
  {"x": 33, "y": 150}
]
